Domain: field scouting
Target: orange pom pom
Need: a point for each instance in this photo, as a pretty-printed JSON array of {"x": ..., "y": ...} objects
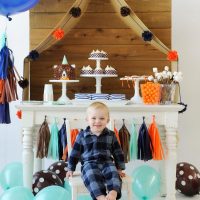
[
  {"x": 172, "y": 56},
  {"x": 19, "y": 114},
  {"x": 58, "y": 34}
]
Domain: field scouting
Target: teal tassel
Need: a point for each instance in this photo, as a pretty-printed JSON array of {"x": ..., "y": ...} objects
[
  {"x": 133, "y": 143},
  {"x": 53, "y": 145}
]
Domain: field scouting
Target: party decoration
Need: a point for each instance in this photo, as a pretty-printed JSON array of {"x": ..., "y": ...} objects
[
  {"x": 68, "y": 187},
  {"x": 133, "y": 142},
  {"x": 157, "y": 150},
  {"x": 43, "y": 141},
  {"x": 53, "y": 151},
  {"x": 75, "y": 11},
  {"x": 52, "y": 193},
  {"x": 58, "y": 34},
  {"x": 187, "y": 179},
  {"x": 60, "y": 169},
  {"x": 11, "y": 175},
  {"x": 144, "y": 143},
  {"x": 17, "y": 193},
  {"x": 172, "y": 56},
  {"x": 146, "y": 182},
  {"x": 8, "y": 88},
  {"x": 33, "y": 55},
  {"x": 147, "y": 36},
  {"x": 124, "y": 137},
  {"x": 125, "y": 11},
  {"x": 11, "y": 7},
  {"x": 43, "y": 179},
  {"x": 19, "y": 114},
  {"x": 62, "y": 139}
]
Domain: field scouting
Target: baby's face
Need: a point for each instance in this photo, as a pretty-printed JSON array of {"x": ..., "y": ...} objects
[{"x": 97, "y": 119}]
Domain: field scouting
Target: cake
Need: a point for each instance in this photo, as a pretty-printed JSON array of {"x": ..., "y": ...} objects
[
  {"x": 64, "y": 71},
  {"x": 98, "y": 54},
  {"x": 98, "y": 70},
  {"x": 110, "y": 70},
  {"x": 86, "y": 70}
]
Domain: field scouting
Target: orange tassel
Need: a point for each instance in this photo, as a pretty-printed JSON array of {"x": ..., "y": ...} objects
[
  {"x": 117, "y": 135},
  {"x": 157, "y": 151},
  {"x": 74, "y": 133}
]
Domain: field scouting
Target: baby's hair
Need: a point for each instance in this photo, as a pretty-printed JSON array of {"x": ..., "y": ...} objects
[{"x": 98, "y": 105}]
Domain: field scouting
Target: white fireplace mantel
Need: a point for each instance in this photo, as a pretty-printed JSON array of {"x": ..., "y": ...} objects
[{"x": 166, "y": 115}]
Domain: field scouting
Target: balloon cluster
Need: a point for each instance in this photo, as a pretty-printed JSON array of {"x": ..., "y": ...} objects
[
  {"x": 11, "y": 7},
  {"x": 187, "y": 179}
]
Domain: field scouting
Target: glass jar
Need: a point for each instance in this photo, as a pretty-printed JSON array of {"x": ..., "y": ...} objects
[{"x": 167, "y": 93}]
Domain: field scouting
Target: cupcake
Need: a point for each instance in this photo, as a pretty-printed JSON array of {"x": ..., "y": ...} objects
[
  {"x": 86, "y": 70},
  {"x": 110, "y": 70},
  {"x": 98, "y": 70}
]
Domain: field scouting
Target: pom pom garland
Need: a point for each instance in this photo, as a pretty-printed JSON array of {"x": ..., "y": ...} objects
[{"x": 172, "y": 56}]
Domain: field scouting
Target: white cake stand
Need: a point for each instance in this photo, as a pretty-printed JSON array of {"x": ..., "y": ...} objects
[
  {"x": 64, "y": 99},
  {"x": 137, "y": 99},
  {"x": 98, "y": 78}
]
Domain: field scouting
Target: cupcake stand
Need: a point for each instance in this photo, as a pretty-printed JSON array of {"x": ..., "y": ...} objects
[
  {"x": 64, "y": 99},
  {"x": 98, "y": 77},
  {"x": 137, "y": 99}
]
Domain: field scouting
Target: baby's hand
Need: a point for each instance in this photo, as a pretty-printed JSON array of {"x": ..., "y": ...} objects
[
  {"x": 121, "y": 173},
  {"x": 69, "y": 174}
]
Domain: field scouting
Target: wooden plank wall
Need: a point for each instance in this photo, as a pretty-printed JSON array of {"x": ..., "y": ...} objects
[{"x": 100, "y": 28}]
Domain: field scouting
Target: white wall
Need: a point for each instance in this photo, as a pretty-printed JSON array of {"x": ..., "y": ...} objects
[
  {"x": 185, "y": 39},
  {"x": 185, "y": 33}
]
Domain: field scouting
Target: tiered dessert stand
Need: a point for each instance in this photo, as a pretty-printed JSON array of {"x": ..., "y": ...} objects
[
  {"x": 137, "y": 99},
  {"x": 64, "y": 99},
  {"x": 98, "y": 77}
]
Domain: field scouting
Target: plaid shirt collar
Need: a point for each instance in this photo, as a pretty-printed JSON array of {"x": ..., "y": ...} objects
[{"x": 88, "y": 132}]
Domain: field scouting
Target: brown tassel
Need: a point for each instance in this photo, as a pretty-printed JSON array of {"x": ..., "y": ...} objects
[
  {"x": 124, "y": 137},
  {"x": 43, "y": 140}
]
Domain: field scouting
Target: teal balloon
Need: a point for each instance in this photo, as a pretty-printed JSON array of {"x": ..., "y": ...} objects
[
  {"x": 17, "y": 193},
  {"x": 146, "y": 182},
  {"x": 11, "y": 175},
  {"x": 53, "y": 193},
  {"x": 84, "y": 197},
  {"x": 68, "y": 188}
]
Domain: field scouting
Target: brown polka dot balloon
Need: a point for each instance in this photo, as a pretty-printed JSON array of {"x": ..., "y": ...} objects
[
  {"x": 187, "y": 179},
  {"x": 60, "y": 168},
  {"x": 44, "y": 178}
]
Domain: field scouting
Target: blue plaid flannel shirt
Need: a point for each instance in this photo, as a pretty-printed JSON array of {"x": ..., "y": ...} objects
[{"x": 91, "y": 148}]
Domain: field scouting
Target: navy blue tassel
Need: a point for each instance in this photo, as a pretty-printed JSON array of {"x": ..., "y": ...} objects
[
  {"x": 5, "y": 113},
  {"x": 144, "y": 143},
  {"x": 147, "y": 36},
  {"x": 62, "y": 139}
]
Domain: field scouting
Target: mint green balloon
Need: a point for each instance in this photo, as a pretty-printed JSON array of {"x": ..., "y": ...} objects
[
  {"x": 53, "y": 193},
  {"x": 84, "y": 197},
  {"x": 68, "y": 188},
  {"x": 17, "y": 193},
  {"x": 11, "y": 175},
  {"x": 146, "y": 182}
]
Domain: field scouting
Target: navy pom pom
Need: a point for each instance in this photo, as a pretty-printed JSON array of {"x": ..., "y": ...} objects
[
  {"x": 33, "y": 55},
  {"x": 147, "y": 36}
]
